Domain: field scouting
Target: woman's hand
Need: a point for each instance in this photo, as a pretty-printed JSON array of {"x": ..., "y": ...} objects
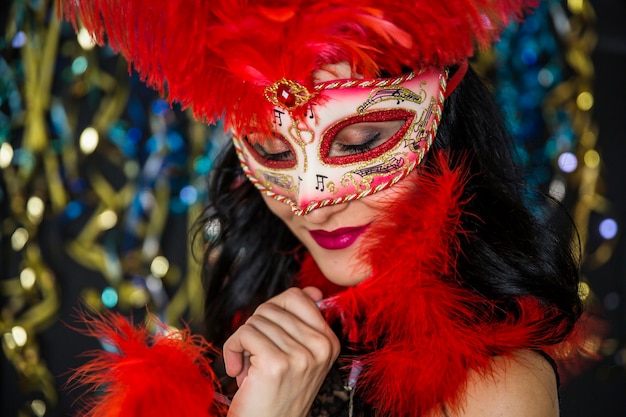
[{"x": 280, "y": 356}]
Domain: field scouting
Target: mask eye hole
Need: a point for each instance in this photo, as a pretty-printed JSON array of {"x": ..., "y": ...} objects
[
  {"x": 364, "y": 137},
  {"x": 274, "y": 152}
]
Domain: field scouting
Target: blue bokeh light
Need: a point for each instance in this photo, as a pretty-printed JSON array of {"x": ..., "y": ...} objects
[
  {"x": 109, "y": 297},
  {"x": 608, "y": 228}
]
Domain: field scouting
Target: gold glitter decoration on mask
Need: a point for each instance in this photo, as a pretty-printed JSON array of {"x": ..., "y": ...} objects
[{"x": 287, "y": 94}]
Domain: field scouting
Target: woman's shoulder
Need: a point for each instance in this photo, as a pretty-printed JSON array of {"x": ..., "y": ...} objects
[{"x": 523, "y": 384}]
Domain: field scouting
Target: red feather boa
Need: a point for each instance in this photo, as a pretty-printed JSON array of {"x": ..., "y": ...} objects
[
  {"x": 218, "y": 56},
  {"x": 434, "y": 331}
]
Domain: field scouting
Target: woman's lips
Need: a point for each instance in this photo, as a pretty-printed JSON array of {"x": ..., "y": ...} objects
[{"x": 337, "y": 239}]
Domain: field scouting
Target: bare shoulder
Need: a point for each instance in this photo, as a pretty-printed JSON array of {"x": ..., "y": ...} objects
[{"x": 519, "y": 385}]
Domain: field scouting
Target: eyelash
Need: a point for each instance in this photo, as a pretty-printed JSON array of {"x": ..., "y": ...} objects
[
  {"x": 360, "y": 147},
  {"x": 281, "y": 156}
]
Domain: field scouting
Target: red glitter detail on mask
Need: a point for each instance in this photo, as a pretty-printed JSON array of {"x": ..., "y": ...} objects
[{"x": 376, "y": 116}]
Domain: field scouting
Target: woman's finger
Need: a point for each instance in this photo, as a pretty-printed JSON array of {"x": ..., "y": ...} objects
[
  {"x": 315, "y": 294},
  {"x": 300, "y": 304}
]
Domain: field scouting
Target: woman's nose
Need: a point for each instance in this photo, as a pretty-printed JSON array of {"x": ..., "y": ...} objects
[{"x": 322, "y": 214}]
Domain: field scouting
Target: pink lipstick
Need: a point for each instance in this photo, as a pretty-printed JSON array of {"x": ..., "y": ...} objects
[{"x": 337, "y": 239}]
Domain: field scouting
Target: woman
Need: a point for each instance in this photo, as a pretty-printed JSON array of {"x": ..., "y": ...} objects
[
  {"x": 504, "y": 254},
  {"x": 368, "y": 226}
]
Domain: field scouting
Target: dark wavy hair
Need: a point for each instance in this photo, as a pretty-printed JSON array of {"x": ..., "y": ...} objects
[{"x": 514, "y": 250}]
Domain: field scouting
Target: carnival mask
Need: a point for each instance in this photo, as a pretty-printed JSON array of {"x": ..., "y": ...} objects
[{"x": 355, "y": 138}]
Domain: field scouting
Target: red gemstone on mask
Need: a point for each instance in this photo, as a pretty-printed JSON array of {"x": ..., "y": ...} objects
[{"x": 285, "y": 96}]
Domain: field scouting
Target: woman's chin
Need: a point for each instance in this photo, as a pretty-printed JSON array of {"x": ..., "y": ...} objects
[{"x": 345, "y": 275}]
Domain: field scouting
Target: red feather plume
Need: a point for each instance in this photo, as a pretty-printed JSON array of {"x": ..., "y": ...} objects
[
  {"x": 218, "y": 56},
  {"x": 433, "y": 331},
  {"x": 145, "y": 374}
]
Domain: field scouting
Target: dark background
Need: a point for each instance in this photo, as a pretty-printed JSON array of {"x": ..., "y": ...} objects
[
  {"x": 600, "y": 391},
  {"x": 597, "y": 390}
]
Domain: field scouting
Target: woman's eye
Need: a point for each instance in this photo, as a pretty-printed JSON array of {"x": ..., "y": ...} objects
[
  {"x": 351, "y": 149},
  {"x": 274, "y": 156},
  {"x": 362, "y": 137},
  {"x": 273, "y": 150}
]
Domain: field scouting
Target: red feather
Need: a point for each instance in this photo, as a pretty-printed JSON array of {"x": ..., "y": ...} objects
[
  {"x": 434, "y": 331},
  {"x": 146, "y": 375},
  {"x": 218, "y": 56}
]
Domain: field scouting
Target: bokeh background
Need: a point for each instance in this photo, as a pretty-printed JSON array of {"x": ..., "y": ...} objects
[{"x": 101, "y": 182}]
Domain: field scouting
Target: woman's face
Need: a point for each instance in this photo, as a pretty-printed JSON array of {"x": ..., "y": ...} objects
[{"x": 334, "y": 234}]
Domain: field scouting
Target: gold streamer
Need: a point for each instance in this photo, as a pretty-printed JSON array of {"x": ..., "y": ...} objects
[
  {"x": 577, "y": 97},
  {"x": 33, "y": 300}
]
